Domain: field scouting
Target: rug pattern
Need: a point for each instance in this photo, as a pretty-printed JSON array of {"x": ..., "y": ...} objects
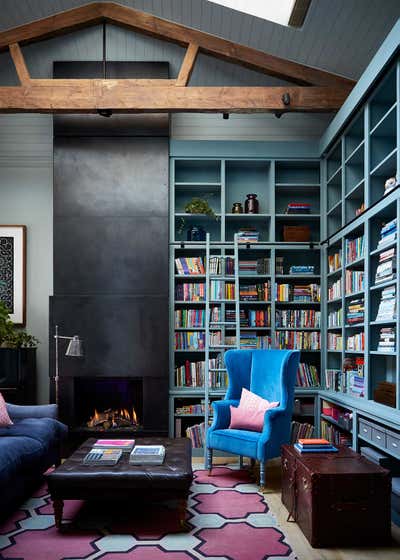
[{"x": 228, "y": 519}]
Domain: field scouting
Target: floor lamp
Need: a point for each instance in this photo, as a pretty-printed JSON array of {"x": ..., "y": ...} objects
[{"x": 74, "y": 349}]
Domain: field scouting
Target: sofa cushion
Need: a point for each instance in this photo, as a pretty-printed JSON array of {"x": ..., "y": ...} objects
[
  {"x": 5, "y": 420},
  {"x": 45, "y": 431},
  {"x": 240, "y": 442},
  {"x": 18, "y": 454}
]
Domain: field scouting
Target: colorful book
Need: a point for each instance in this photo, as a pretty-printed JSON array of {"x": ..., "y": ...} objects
[{"x": 123, "y": 444}]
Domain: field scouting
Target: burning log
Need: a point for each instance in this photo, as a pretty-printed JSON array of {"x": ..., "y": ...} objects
[{"x": 110, "y": 418}]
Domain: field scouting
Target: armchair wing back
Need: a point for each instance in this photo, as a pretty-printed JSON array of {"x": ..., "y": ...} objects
[{"x": 271, "y": 374}]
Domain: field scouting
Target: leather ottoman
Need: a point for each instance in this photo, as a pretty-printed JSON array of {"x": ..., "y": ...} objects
[{"x": 75, "y": 481}]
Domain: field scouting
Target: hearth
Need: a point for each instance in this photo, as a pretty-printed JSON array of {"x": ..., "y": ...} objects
[{"x": 111, "y": 404}]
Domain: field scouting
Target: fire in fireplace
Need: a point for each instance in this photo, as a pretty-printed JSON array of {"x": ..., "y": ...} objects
[{"x": 113, "y": 418}]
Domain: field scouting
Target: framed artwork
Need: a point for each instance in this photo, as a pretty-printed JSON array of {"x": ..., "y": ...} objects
[{"x": 13, "y": 271}]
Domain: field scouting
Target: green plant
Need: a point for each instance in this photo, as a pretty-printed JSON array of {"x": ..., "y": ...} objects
[
  {"x": 196, "y": 205},
  {"x": 12, "y": 336}
]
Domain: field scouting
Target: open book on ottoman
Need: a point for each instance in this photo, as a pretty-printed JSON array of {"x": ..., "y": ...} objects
[{"x": 147, "y": 455}]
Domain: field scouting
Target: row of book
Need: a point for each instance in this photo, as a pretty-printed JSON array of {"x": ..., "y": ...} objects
[
  {"x": 193, "y": 409},
  {"x": 349, "y": 379},
  {"x": 335, "y": 318},
  {"x": 251, "y": 341},
  {"x": 355, "y": 311},
  {"x": 187, "y": 266},
  {"x": 222, "y": 290},
  {"x": 297, "y": 318},
  {"x": 387, "y": 304},
  {"x": 388, "y": 232},
  {"x": 190, "y": 292},
  {"x": 335, "y": 435},
  {"x": 307, "y": 375},
  {"x": 257, "y": 318},
  {"x": 196, "y": 434},
  {"x": 386, "y": 269},
  {"x": 335, "y": 261},
  {"x": 335, "y": 290},
  {"x": 298, "y": 208},
  {"x": 191, "y": 374},
  {"x": 356, "y": 342},
  {"x": 221, "y": 265},
  {"x": 354, "y": 281},
  {"x": 354, "y": 249},
  {"x": 190, "y": 340},
  {"x": 301, "y": 430},
  {"x": 387, "y": 340},
  {"x": 335, "y": 341},
  {"x": 255, "y": 292},
  {"x": 189, "y": 318},
  {"x": 298, "y": 340},
  {"x": 300, "y": 293},
  {"x": 251, "y": 267},
  {"x": 247, "y": 317}
]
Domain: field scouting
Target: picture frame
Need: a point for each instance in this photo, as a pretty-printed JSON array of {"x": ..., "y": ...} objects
[{"x": 13, "y": 271}]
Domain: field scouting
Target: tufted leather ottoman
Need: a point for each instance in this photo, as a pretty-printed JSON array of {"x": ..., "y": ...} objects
[{"x": 75, "y": 481}]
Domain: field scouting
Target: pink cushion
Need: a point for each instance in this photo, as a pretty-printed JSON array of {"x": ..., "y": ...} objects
[
  {"x": 5, "y": 420},
  {"x": 249, "y": 415}
]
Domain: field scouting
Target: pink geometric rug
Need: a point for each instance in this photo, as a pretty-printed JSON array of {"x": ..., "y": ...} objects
[{"x": 227, "y": 520}]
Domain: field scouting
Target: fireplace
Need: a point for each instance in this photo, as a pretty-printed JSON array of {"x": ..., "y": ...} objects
[{"x": 108, "y": 404}]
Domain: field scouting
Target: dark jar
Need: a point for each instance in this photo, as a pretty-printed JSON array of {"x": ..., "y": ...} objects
[
  {"x": 237, "y": 208},
  {"x": 196, "y": 233},
  {"x": 251, "y": 204}
]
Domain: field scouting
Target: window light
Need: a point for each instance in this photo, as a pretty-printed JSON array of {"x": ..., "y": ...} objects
[{"x": 284, "y": 12}]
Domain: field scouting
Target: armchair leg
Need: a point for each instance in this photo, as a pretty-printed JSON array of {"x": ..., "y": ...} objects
[
  {"x": 240, "y": 462},
  {"x": 209, "y": 456},
  {"x": 262, "y": 476}
]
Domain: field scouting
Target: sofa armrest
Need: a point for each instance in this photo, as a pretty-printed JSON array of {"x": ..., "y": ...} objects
[
  {"x": 17, "y": 411},
  {"x": 222, "y": 413}
]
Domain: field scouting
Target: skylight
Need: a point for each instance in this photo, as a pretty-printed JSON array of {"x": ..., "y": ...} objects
[{"x": 278, "y": 11}]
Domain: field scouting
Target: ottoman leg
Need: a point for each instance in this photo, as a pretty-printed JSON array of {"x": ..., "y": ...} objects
[
  {"x": 58, "y": 506},
  {"x": 182, "y": 514}
]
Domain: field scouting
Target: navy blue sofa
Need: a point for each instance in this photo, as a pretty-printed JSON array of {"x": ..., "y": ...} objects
[{"x": 27, "y": 449}]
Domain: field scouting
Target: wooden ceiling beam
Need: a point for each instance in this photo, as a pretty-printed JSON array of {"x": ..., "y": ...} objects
[
  {"x": 19, "y": 63},
  {"x": 149, "y": 24},
  {"x": 187, "y": 65},
  {"x": 125, "y": 96}
]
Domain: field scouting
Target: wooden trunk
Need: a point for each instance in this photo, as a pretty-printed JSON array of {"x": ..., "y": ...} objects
[{"x": 337, "y": 499}]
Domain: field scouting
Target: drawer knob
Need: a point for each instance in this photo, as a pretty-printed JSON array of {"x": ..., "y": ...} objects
[
  {"x": 378, "y": 437},
  {"x": 394, "y": 444},
  {"x": 285, "y": 463},
  {"x": 305, "y": 483}
]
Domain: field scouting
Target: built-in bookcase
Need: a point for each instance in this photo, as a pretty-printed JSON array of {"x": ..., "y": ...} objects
[{"x": 283, "y": 323}]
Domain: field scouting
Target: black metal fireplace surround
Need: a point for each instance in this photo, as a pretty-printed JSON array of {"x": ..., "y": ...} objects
[{"x": 111, "y": 259}]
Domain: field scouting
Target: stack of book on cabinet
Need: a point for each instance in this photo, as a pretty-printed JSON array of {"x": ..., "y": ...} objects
[
  {"x": 307, "y": 445},
  {"x": 355, "y": 311},
  {"x": 388, "y": 232},
  {"x": 387, "y": 340},
  {"x": 298, "y": 208},
  {"x": 386, "y": 269},
  {"x": 387, "y": 305}
]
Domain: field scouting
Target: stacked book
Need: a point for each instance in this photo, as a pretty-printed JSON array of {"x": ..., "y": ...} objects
[
  {"x": 185, "y": 318},
  {"x": 187, "y": 266},
  {"x": 190, "y": 340},
  {"x": 279, "y": 265},
  {"x": 221, "y": 265},
  {"x": 355, "y": 311},
  {"x": 147, "y": 455},
  {"x": 248, "y": 235},
  {"x": 354, "y": 281},
  {"x": 251, "y": 267},
  {"x": 335, "y": 341},
  {"x": 306, "y": 445},
  {"x": 388, "y": 232},
  {"x": 298, "y": 340},
  {"x": 386, "y": 269},
  {"x": 307, "y": 376},
  {"x": 387, "y": 340},
  {"x": 335, "y": 290},
  {"x": 298, "y": 318},
  {"x": 196, "y": 434},
  {"x": 190, "y": 292},
  {"x": 335, "y": 318},
  {"x": 255, "y": 292},
  {"x": 387, "y": 305},
  {"x": 298, "y": 208},
  {"x": 301, "y": 430},
  {"x": 306, "y": 269},
  {"x": 250, "y": 341},
  {"x": 335, "y": 261},
  {"x": 354, "y": 249}
]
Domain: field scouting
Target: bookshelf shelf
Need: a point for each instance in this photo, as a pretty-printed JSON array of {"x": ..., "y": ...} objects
[
  {"x": 383, "y": 285},
  {"x": 386, "y": 165},
  {"x": 335, "y": 423}
]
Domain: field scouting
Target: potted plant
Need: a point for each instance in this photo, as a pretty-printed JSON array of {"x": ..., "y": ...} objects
[
  {"x": 196, "y": 205},
  {"x": 17, "y": 361}
]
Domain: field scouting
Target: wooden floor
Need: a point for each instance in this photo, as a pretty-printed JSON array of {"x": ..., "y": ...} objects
[{"x": 297, "y": 540}]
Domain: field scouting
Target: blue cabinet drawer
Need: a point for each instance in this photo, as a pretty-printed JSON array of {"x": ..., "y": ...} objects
[
  {"x": 393, "y": 443},
  {"x": 379, "y": 437},
  {"x": 364, "y": 429}
]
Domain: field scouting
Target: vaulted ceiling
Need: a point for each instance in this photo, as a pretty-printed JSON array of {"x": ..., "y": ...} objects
[{"x": 340, "y": 36}]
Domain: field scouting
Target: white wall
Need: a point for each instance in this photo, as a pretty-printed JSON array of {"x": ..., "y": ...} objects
[{"x": 26, "y": 197}]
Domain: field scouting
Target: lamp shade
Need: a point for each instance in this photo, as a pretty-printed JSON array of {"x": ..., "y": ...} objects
[{"x": 75, "y": 348}]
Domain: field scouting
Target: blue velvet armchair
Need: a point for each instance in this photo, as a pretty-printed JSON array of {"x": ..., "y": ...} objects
[{"x": 271, "y": 374}]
